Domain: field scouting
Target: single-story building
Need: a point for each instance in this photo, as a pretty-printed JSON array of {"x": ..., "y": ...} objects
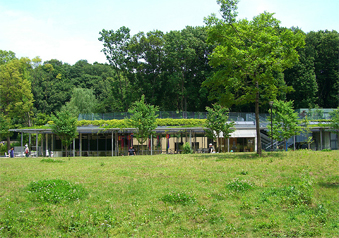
[{"x": 96, "y": 141}]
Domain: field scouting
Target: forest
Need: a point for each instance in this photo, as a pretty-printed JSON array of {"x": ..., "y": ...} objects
[{"x": 168, "y": 68}]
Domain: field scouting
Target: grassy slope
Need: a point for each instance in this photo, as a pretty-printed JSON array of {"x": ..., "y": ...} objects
[{"x": 285, "y": 194}]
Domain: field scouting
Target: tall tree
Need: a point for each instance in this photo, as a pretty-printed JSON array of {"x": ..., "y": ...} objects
[
  {"x": 51, "y": 86},
  {"x": 147, "y": 56},
  {"x": 246, "y": 57},
  {"x": 117, "y": 53},
  {"x": 179, "y": 55},
  {"x": 16, "y": 99},
  {"x": 198, "y": 68},
  {"x": 303, "y": 79},
  {"x": 6, "y": 56},
  {"x": 323, "y": 47},
  {"x": 335, "y": 123}
]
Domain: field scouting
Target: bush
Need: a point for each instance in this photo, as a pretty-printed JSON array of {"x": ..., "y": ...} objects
[
  {"x": 187, "y": 148},
  {"x": 55, "y": 191},
  {"x": 3, "y": 148},
  {"x": 178, "y": 198},
  {"x": 239, "y": 185}
]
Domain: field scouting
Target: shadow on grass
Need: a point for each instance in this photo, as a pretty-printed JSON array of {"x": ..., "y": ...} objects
[
  {"x": 329, "y": 185},
  {"x": 243, "y": 156}
]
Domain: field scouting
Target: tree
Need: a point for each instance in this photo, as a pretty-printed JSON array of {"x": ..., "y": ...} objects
[
  {"x": 335, "y": 123},
  {"x": 64, "y": 126},
  {"x": 247, "y": 56},
  {"x": 323, "y": 46},
  {"x": 16, "y": 98},
  {"x": 143, "y": 119},
  {"x": 5, "y": 125},
  {"x": 6, "y": 56},
  {"x": 285, "y": 121},
  {"x": 170, "y": 67},
  {"x": 217, "y": 122},
  {"x": 51, "y": 86},
  {"x": 178, "y": 56},
  {"x": 306, "y": 130},
  {"x": 147, "y": 56},
  {"x": 303, "y": 80},
  {"x": 117, "y": 53},
  {"x": 83, "y": 101}
]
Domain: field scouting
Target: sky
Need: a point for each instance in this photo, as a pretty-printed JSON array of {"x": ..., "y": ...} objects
[{"x": 68, "y": 30}]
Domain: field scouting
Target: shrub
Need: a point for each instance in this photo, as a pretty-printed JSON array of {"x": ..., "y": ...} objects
[
  {"x": 239, "y": 185},
  {"x": 244, "y": 172},
  {"x": 178, "y": 198},
  {"x": 187, "y": 148},
  {"x": 55, "y": 191},
  {"x": 3, "y": 148}
]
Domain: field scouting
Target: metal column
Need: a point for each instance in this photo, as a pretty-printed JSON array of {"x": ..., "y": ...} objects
[
  {"x": 80, "y": 144},
  {"x": 112, "y": 142},
  {"x": 22, "y": 148},
  {"x": 36, "y": 144},
  {"x": 73, "y": 147},
  {"x": 47, "y": 152},
  {"x": 42, "y": 145}
]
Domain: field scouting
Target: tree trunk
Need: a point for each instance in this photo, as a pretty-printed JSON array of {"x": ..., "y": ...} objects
[
  {"x": 257, "y": 120},
  {"x": 8, "y": 143},
  {"x": 29, "y": 120}
]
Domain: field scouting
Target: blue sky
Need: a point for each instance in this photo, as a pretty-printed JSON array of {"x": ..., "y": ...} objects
[{"x": 68, "y": 30}]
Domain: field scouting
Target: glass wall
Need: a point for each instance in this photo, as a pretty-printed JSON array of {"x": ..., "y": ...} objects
[{"x": 237, "y": 144}]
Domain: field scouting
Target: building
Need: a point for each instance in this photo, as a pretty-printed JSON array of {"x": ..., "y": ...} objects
[{"x": 97, "y": 141}]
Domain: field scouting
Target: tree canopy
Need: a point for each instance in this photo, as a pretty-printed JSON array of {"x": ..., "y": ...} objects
[
  {"x": 64, "y": 126},
  {"x": 247, "y": 57},
  {"x": 83, "y": 101},
  {"x": 217, "y": 122},
  {"x": 143, "y": 118},
  {"x": 16, "y": 99},
  {"x": 285, "y": 121},
  {"x": 237, "y": 60}
]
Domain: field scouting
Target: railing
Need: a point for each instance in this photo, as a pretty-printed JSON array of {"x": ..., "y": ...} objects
[{"x": 233, "y": 116}]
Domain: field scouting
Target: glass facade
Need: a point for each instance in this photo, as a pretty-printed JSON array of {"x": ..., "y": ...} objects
[{"x": 237, "y": 144}]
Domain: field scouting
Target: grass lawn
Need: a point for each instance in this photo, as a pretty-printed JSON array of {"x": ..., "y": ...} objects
[{"x": 200, "y": 195}]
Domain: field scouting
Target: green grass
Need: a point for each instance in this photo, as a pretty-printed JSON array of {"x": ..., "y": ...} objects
[{"x": 282, "y": 194}]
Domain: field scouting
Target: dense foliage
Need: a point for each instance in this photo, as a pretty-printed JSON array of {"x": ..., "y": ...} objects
[
  {"x": 285, "y": 121},
  {"x": 168, "y": 68},
  {"x": 64, "y": 126},
  {"x": 143, "y": 118},
  {"x": 248, "y": 58},
  {"x": 217, "y": 122}
]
